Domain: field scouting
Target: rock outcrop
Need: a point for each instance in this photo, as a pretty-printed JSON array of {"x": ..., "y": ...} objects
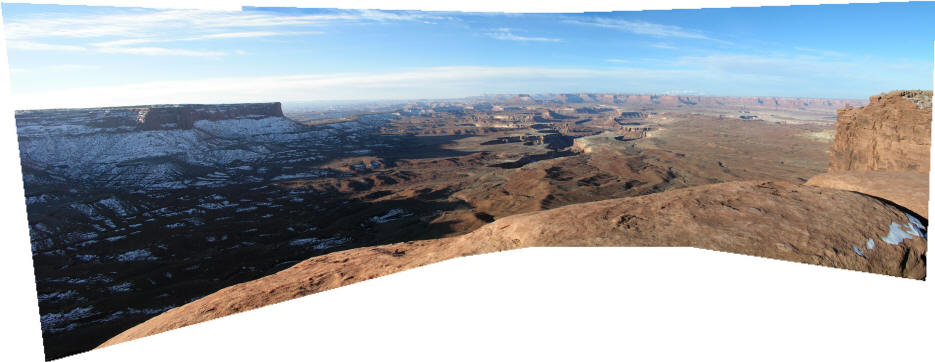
[
  {"x": 904, "y": 188},
  {"x": 883, "y": 149},
  {"x": 148, "y": 117},
  {"x": 892, "y": 133},
  {"x": 767, "y": 219},
  {"x": 184, "y": 116}
]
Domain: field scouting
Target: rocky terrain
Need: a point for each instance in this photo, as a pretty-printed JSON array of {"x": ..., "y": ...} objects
[
  {"x": 137, "y": 210},
  {"x": 769, "y": 219},
  {"x": 892, "y": 133},
  {"x": 882, "y": 149}
]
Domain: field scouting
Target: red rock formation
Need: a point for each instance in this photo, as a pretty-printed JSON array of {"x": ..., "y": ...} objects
[
  {"x": 882, "y": 149},
  {"x": 904, "y": 188},
  {"x": 892, "y": 133},
  {"x": 775, "y": 220}
]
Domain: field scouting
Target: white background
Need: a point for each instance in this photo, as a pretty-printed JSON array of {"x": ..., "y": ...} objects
[{"x": 531, "y": 304}]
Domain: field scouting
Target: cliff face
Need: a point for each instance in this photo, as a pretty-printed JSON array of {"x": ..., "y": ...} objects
[
  {"x": 184, "y": 116},
  {"x": 882, "y": 149},
  {"x": 892, "y": 133},
  {"x": 149, "y": 117},
  {"x": 150, "y": 146}
]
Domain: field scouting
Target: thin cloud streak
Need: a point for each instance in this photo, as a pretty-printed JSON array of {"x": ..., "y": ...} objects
[
  {"x": 206, "y": 22},
  {"x": 640, "y": 27},
  {"x": 155, "y": 51},
  {"x": 167, "y": 26},
  {"x": 507, "y": 34},
  {"x": 39, "y": 46},
  {"x": 56, "y": 68},
  {"x": 111, "y": 48},
  {"x": 230, "y": 35}
]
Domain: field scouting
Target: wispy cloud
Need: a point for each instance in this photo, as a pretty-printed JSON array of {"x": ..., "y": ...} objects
[
  {"x": 56, "y": 68},
  {"x": 204, "y": 23},
  {"x": 827, "y": 53},
  {"x": 228, "y": 35},
  {"x": 507, "y": 34},
  {"x": 663, "y": 46},
  {"x": 773, "y": 66},
  {"x": 615, "y": 60},
  {"x": 640, "y": 27},
  {"x": 113, "y": 47},
  {"x": 153, "y": 51},
  {"x": 251, "y": 34},
  {"x": 114, "y": 33},
  {"x": 39, "y": 46}
]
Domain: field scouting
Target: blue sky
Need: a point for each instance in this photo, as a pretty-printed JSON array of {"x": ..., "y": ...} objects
[{"x": 73, "y": 56}]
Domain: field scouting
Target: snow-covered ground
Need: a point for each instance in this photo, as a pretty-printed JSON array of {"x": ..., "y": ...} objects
[{"x": 74, "y": 146}]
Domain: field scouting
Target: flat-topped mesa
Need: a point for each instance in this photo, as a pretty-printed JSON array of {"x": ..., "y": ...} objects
[
  {"x": 821, "y": 105},
  {"x": 747, "y": 102},
  {"x": 184, "y": 116},
  {"x": 146, "y": 117},
  {"x": 892, "y": 133}
]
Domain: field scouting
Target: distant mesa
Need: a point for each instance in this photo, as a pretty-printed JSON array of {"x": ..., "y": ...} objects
[
  {"x": 156, "y": 117},
  {"x": 679, "y": 101},
  {"x": 184, "y": 116}
]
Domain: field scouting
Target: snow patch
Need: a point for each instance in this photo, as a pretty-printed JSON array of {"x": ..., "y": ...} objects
[
  {"x": 318, "y": 243},
  {"x": 394, "y": 214},
  {"x": 121, "y": 288},
  {"x": 136, "y": 255},
  {"x": 899, "y": 232},
  {"x": 51, "y": 321}
]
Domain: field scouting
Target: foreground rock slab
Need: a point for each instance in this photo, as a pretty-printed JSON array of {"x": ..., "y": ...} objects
[
  {"x": 768, "y": 219},
  {"x": 905, "y": 188}
]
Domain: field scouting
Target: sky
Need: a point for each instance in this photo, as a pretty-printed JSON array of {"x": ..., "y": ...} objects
[{"x": 81, "y": 56}]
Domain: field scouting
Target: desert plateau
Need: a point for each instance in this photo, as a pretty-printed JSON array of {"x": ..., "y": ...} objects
[
  {"x": 150, "y": 218},
  {"x": 180, "y": 165}
]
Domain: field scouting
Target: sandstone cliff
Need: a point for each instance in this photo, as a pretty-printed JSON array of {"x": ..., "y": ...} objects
[
  {"x": 882, "y": 149},
  {"x": 184, "y": 116},
  {"x": 892, "y": 133},
  {"x": 776, "y": 220}
]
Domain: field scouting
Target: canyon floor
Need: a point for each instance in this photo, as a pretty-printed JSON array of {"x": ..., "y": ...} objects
[{"x": 163, "y": 228}]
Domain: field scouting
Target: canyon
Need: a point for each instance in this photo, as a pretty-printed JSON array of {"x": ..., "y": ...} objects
[{"x": 140, "y": 215}]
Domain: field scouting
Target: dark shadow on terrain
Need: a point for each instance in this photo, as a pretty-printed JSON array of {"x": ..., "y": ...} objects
[
  {"x": 421, "y": 147},
  {"x": 187, "y": 266},
  {"x": 921, "y": 218},
  {"x": 525, "y": 160}
]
